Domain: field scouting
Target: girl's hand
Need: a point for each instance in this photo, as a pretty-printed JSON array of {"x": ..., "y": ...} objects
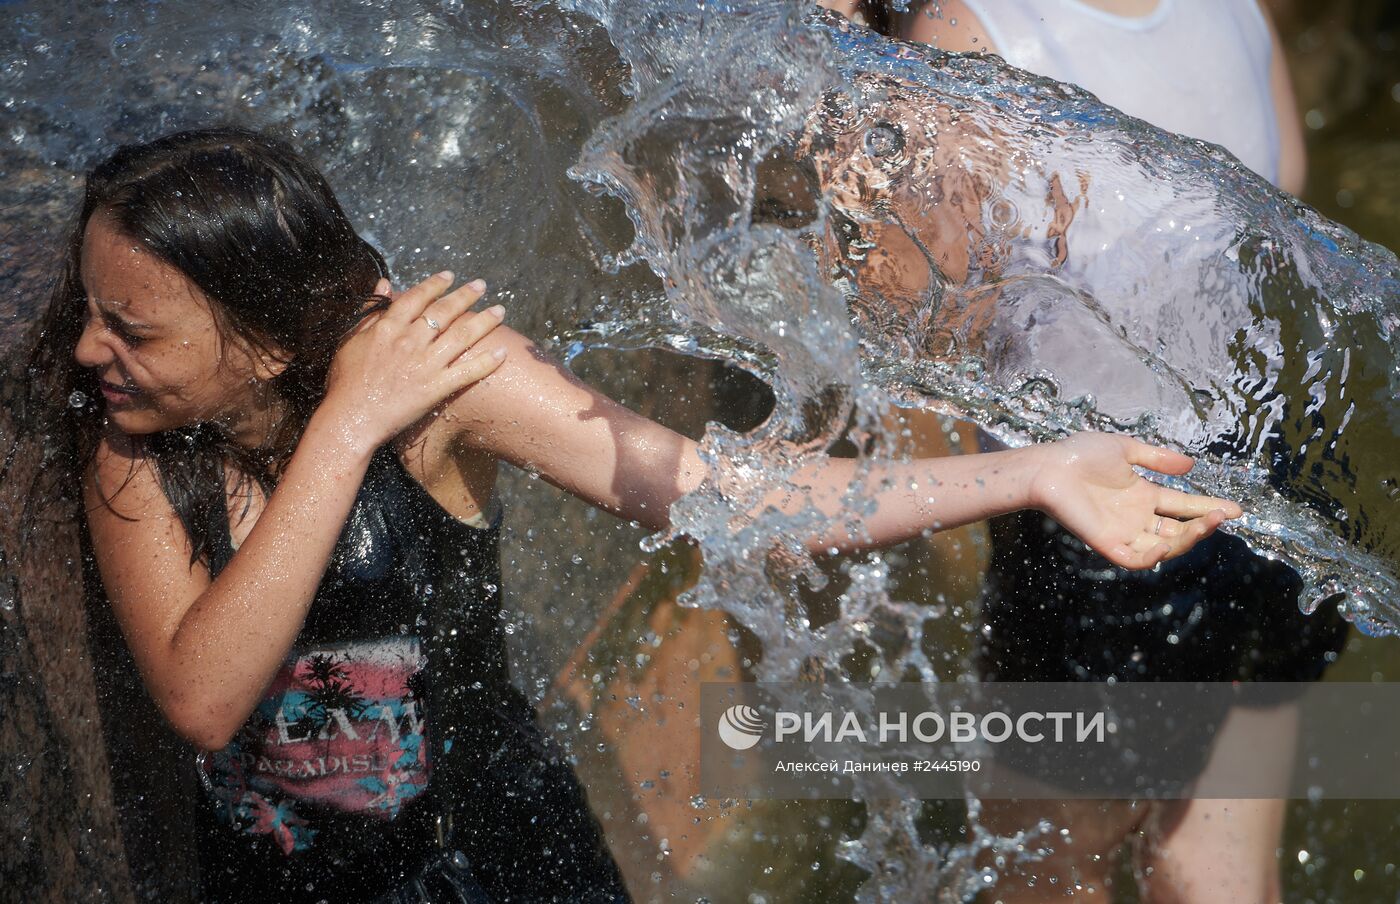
[
  {"x": 1087, "y": 483},
  {"x": 404, "y": 361}
]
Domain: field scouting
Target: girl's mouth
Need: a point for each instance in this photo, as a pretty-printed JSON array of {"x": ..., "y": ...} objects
[{"x": 116, "y": 394}]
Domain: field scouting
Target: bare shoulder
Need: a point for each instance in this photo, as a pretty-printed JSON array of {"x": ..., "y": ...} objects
[
  {"x": 454, "y": 450},
  {"x": 121, "y": 479},
  {"x": 527, "y": 389},
  {"x": 948, "y": 25},
  {"x": 128, "y": 514}
]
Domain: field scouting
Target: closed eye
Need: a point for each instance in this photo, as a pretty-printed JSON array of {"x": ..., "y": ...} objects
[
  {"x": 126, "y": 336},
  {"x": 118, "y": 327}
]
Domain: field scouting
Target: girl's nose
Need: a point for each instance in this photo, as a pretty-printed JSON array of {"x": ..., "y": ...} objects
[{"x": 92, "y": 349}]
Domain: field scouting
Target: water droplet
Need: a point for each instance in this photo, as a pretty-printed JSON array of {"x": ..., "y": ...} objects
[
  {"x": 884, "y": 140},
  {"x": 78, "y": 399},
  {"x": 1004, "y": 213},
  {"x": 838, "y": 111}
]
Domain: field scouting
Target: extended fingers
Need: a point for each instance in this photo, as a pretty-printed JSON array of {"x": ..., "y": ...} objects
[
  {"x": 445, "y": 310},
  {"x": 473, "y": 367},
  {"x": 466, "y": 331},
  {"x": 1166, "y": 539},
  {"x": 1157, "y": 458},
  {"x": 411, "y": 304},
  {"x": 1188, "y": 505},
  {"x": 1189, "y": 533}
]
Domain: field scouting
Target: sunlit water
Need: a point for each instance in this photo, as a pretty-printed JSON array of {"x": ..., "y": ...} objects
[
  {"x": 1012, "y": 252},
  {"x": 1109, "y": 275}
]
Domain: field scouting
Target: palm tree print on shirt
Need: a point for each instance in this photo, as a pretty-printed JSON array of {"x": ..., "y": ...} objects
[{"x": 328, "y": 690}]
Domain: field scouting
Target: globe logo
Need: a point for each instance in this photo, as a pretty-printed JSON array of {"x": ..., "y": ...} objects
[{"x": 740, "y": 727}]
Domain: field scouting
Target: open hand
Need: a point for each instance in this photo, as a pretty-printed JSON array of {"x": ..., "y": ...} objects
[
  {"x": 402, "y": 362},
  {"x": 1087, "y": 483}
]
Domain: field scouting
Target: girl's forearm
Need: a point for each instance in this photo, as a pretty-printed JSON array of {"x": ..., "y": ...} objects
[
  {"x": 911, "y": 497},
  {"x": 536, "y": 415},
  {"x": 235, "y": 636}
]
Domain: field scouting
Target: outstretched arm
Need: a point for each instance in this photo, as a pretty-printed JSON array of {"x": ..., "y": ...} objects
[{"x": 533, "y": 413}]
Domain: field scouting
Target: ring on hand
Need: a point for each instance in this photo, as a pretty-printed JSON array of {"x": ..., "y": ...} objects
[
  {"x": 1157, "y": 528},
  {"x": 432, "y": 323}
]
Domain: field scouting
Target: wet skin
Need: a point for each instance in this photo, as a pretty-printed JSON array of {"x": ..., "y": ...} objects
[{"x": 151, "y": 338}]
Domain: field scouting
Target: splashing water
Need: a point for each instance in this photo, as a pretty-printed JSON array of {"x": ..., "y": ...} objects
[
  {"x": 1028, "y": 258},
  {"x": 947, "y": 231},
  {"x": 1104, "y": 274}
]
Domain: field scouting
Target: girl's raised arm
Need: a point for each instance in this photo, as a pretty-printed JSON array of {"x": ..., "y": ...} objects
[
  {"x": 207, "y": 648},
  {"x": 533, "y": 413}
]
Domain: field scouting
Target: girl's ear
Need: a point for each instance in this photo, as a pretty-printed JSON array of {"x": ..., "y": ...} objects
[{"x": 269, "y": 363}]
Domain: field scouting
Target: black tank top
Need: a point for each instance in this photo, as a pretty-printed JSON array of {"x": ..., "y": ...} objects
[{"x": 394, "y": 707}]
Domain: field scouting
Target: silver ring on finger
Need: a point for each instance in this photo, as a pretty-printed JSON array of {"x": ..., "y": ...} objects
[
  {"x": 432, "y": 323},
  {"x": 1157, "y": 528}
]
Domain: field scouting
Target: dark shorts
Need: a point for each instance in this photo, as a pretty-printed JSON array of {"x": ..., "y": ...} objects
[{"x": 1056, "y": 611}]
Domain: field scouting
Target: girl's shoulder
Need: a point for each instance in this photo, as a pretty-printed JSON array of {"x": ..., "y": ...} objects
[
  {"x": 457, "y": 478},
  {"x": 141, "y": 544},
  {"x": 121, "y": 476}
]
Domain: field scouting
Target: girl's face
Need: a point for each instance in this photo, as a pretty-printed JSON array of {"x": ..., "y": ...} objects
[{"x": 150, "y": 337}]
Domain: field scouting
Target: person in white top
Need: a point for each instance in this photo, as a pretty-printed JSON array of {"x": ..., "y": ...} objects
[
  {"x": 1213, "y": 70},
  {"x": 1210, "y": 69}
]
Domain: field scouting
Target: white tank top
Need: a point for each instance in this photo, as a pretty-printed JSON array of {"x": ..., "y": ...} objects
[{"x": 1196, "y": 67}]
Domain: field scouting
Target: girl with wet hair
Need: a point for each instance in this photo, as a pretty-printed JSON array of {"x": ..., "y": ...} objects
[{"x": 287, "y": 471}]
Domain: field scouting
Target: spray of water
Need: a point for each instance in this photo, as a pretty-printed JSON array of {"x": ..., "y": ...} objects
[
  {"x": 1013, "y": 252},
  {"x": 1017, "y": 253}
]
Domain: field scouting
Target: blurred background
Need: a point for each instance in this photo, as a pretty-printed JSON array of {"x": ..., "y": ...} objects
[{"x": 1345, "y": 63}]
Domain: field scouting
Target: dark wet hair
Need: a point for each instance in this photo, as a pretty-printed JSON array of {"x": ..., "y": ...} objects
[{"x": 260, "y": 232}]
